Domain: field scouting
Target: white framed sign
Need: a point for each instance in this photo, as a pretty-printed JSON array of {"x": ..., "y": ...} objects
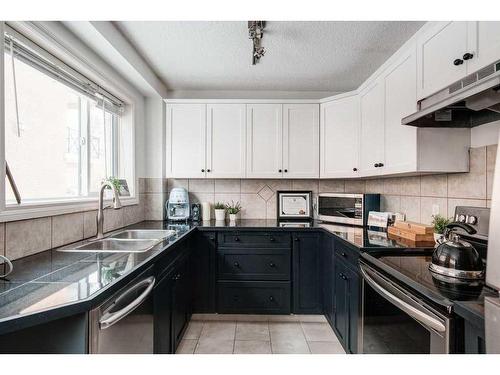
[{"x": 294, "y": 205}]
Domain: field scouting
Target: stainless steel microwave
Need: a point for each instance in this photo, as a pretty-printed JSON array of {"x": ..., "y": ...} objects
[{"x": 345, "y": 208}]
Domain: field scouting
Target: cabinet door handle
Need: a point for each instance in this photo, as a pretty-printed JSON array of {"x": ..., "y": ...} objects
[
  {"x": 237, "y": 239},
  {"x": 468, "y": 56},
  {"x": 271, "y": 239},
  {"x": 203, "y": 170},
  {"x": 279, "y": 170},
  {"x": 236, "y": 264},
  {"x": 286, "y": 170},
  {"x": 271, "y": 298},
  {"x": 457, "y": 62},
  {"x": 355, "y": 169},
  {"x": 212, "y": 238},
  {"x": 208, "y": 170},
  {"x": 375, "y": 165},
  {"x": 343, "y": 254},
  {"x": 296, "y": 239},
  {"x": 272, "y": 265},
  {"x": 380, "y": 164}
]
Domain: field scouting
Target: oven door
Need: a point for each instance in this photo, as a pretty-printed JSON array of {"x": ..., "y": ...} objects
[{"x": 395, "y": 321}]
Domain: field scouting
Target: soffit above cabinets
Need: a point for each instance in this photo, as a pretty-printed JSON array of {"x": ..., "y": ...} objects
[{"x": 320, "y": 56}]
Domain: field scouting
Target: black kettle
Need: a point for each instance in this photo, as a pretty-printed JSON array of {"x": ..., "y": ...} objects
[{"x": 454, "y": 257}]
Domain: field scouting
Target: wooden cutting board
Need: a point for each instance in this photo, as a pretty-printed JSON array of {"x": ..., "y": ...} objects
[
  {"x": 414, "y": 227},
  {"x": 411, "y": 243},
  {"x": 410, "y": 235}
]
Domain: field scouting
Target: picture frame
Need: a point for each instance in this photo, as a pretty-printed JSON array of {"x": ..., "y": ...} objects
[{"x": 294, "y": 205}]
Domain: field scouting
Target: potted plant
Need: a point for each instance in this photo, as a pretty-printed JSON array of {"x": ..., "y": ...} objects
[
  {"x": 233, "y": 209},
  {"x": 220, "y": 211},
  {"x": 439, "y": 222}
]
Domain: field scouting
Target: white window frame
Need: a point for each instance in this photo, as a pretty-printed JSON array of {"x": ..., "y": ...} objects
[{"x": 122, "y": 162}]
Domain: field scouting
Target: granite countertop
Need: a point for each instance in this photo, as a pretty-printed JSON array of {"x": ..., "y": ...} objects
[{"x": 69, "y": 282}]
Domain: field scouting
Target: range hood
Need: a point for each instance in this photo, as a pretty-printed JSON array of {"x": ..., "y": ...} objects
[{"x": 472, "y": 101}]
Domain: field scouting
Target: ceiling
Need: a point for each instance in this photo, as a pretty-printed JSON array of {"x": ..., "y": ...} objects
[{"x": 300, "y": 56}]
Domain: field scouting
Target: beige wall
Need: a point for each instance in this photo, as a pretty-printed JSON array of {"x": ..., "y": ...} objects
[{"x": 414, "y": 196}]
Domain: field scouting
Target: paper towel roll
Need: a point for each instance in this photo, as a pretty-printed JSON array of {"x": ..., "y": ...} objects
[{"x": 205, "y": 211}]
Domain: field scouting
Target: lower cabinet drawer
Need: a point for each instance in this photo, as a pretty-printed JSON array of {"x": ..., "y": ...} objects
[
  {"x": 254, "y": 264},
  {"x": 253, "y": 297}
]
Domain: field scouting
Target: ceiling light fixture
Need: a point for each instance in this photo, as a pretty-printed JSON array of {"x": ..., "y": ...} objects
[{"x": 256, "y": 33}]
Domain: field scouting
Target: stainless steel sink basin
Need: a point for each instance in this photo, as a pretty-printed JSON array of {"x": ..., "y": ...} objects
[
  {"x": 115, "y": 245},
  {"x": 146, "y": 234}
]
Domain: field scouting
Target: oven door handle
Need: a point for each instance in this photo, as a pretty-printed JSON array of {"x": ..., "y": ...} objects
[
  {"x": 108, "y": 319},
  {"x": 414, "y": 311}
]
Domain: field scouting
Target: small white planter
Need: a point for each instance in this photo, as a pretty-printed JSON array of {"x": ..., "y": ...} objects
[
  {"x": 220, "y": 214},
  {"x": 233, "y": 217}
]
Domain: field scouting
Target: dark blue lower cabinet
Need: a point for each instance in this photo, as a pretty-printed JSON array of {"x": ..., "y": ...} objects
[
  {"x": 346, "y": 304},
  {"x": 203, "y": 271},
  {"x": 307, "y": 283},
  {"x": 475, "y": 342},
  {"x": 253, "y": 297},
  {"x": 328, "y": 278},
  {"x": 172, "y": 306}
]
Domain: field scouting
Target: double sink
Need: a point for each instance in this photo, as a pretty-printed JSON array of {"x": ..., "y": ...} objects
[{"x": 127, "y": 241}]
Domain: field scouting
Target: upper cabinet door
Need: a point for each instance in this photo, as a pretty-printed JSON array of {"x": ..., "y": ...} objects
[
  {"x": 440, "y": 57},
  {"x": 340, "y": 128},
  {"x": 483, "y": 43},
  {"x": 264, "y": 141},
  {"x": 400, "y": 101},
  {"x": 185, "y": 138},
  {"x": 301, "y": 140},
  {"x": 226, "y": 140},
  {"x": 372, "y": 129}
]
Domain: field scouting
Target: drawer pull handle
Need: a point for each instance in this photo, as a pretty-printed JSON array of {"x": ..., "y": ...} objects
[
  {"x": 343, "y": 254},
  {"x": 271, "y": 239},
  {"x": 271, "y": 298},
  {"x": 237, "y": 239},
  {"x": 236, "y": 264},
  {"x": 296, "y": 239},
  {"x": 272, "y": 265},
  {"x": 343, "y": 276}
]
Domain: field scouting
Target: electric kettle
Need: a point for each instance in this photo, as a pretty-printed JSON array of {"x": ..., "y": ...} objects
[{"x": 454, "y": 257}]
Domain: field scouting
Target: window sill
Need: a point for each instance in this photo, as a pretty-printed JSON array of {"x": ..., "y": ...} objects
[{"x": 53, "y": 208}]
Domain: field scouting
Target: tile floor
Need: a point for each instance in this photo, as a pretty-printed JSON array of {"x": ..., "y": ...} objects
[{"x": 259, "y": 334}]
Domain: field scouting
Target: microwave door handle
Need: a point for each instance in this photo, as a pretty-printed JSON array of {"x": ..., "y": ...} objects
[
  {"x": 108, "y": 319},
  {"x": 421, "y": 316}
]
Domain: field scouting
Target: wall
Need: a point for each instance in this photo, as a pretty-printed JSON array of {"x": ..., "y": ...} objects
[
  {"x": 26, "y": 237},
  {"x": 414, "y": 196}
]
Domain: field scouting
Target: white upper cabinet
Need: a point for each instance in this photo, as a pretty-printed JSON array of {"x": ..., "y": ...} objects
[
  {"x": 440, "y": 53},
  {"x": 339, "y": 135},
  {"x": 264, "y": 141},
  {"x": 372, "y": 129},
  {"x": 449, "y": 51},
  {"x": 185, "y": 138},
  {"x": 226, "y": 141},
  {"x": 301, "y": 140},
  {"x": 400, "y": 101},
  {"x": 483, "y": 43}
]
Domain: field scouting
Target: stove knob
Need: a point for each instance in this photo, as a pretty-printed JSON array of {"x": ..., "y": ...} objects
[
  {"x": 461, "y": 218},
  {"x": 472, "y": 220}
]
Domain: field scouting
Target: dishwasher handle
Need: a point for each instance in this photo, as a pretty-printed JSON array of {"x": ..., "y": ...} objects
[
  {"x": 414, "y": 311},
  {"x": 109, "y": 318}
]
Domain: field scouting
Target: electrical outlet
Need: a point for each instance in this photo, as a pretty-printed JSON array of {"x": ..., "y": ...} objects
[{"x": 435, "y": 209}]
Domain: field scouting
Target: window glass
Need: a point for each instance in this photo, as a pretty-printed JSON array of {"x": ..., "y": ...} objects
[{"x": 61, "y": 149}]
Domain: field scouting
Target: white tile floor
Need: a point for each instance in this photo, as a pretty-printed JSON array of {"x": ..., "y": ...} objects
[{"x": 259, "y": 334}]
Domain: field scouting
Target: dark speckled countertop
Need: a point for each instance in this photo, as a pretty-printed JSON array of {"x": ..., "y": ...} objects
[{"x": 59, "y": 283}]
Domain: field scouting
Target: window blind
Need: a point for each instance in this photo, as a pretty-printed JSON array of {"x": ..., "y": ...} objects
[{"x": 37, "y": 57}]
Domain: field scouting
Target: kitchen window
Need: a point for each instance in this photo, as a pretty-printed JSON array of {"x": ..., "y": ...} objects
[{"x": 61, "y": 130}]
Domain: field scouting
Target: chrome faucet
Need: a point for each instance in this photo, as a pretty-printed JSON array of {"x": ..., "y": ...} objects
[{"x": 100, "y": 214}]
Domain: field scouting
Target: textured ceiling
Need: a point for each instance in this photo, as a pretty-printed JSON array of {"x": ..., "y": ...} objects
[{"x": 301, "y": 56}]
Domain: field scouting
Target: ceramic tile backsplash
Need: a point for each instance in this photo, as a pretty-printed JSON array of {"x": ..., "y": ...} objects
[
  {"x": 419, "y": 197},
  {"x": 67, "y": 228},
  {"x": 26, "y": 237}
]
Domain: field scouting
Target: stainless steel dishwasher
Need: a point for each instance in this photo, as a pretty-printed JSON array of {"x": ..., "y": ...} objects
[{"x": 123, "y": 324}]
